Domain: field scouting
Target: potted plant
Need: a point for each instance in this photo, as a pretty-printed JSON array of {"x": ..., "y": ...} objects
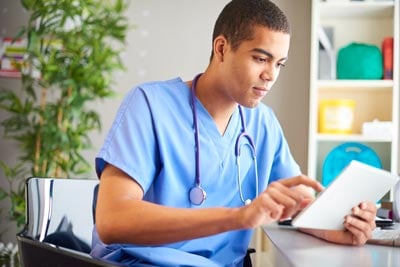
[{"x": 73, "y": 49}]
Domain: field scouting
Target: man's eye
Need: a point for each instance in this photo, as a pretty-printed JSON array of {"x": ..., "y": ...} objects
[
  {"x": 260, "y": 59},
  {"x": 281, "y": 65}
]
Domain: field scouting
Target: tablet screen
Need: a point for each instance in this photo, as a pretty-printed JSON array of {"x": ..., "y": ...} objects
[{"x": 357, "y": 183}]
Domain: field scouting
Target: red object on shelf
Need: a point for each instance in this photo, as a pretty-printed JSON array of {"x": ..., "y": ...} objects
[{"x": 387, "y": 52}]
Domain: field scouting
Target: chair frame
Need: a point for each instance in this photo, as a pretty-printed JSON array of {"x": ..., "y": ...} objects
[{"x": 35, "y": 252}]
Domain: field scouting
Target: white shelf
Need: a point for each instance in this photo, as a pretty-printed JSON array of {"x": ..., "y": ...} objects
[
  {"x": 355, "y": 83},
  {"x": 353, "y": 9},
  {"x": 352, "y": 138}
]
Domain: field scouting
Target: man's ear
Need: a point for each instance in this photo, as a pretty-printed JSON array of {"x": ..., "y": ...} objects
[{"x": 220, "y": 47}]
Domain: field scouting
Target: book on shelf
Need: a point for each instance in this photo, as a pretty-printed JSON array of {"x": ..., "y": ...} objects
[
  {"x": 387, "y": 53},
  {"x": 12, "y": 53}
]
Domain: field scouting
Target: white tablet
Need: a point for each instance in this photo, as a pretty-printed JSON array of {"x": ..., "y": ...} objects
[{"x": 358, "y": 182}]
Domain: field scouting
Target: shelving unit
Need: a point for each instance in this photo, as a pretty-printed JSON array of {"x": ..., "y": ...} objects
[{"x": 365, "y": 22}]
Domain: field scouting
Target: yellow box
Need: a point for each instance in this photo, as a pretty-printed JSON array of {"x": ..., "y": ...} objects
[{"x": 336, "y": 116}]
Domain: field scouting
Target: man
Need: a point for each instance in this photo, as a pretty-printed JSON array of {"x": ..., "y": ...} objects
[{"x": 188, "y": 169}]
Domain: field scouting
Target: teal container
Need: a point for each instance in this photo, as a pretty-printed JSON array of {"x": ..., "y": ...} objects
[{"x": 359, "y": 61}]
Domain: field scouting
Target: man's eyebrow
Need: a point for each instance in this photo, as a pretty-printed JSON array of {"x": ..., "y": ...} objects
[{"x": 265, "y": 52}]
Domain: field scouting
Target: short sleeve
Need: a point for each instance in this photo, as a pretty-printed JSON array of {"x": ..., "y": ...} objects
[{"x": 131, "y": 144}]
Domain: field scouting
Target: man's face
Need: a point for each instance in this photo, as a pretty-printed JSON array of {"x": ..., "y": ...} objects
[{"x": 250, "y": 71}]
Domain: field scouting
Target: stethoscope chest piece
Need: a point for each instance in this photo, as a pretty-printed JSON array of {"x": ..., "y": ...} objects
[{"x": 197, "y": 195}]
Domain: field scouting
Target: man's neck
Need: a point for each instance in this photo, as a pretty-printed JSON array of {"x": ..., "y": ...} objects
[{"x": 209, "y": 93}]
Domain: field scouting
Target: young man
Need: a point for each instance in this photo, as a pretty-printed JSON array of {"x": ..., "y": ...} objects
[{"x": 188, "y": 169}]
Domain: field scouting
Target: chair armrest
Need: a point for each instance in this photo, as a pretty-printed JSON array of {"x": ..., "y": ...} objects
[{"x": 34, "y": 253}]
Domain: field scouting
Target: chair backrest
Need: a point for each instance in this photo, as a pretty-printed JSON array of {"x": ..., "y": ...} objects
[
  {"x": 59, "y": 223},
  {"x": 55, "y": 205}
]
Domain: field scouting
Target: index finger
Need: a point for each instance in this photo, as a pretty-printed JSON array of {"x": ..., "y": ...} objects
[{"x": 304, "y": 180}]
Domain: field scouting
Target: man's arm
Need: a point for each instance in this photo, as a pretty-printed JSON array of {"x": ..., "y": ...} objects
[{"x": 123, "y": 217}]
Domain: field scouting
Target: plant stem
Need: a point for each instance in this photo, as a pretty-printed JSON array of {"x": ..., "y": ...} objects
[
  {"x": 38, "y": 143},
  {"x": 61, "y": 122},
  {"x": 59, "y": 152}
]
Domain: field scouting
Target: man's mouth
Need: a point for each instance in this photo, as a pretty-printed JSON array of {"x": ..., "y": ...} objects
[{"x": 261, "y": 90}]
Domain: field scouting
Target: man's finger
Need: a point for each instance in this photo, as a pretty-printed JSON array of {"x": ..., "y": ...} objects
[{"x": 304, "y": 180}]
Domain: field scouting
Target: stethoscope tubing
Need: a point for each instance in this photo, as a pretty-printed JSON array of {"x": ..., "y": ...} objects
[{"x": 197, "y": 194}]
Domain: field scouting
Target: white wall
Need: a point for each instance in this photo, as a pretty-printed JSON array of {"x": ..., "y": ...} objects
[
  {"x": 289, "y": 97},
  {"x": 12, "y": 17},
  {"x": 173, "y": 38}
]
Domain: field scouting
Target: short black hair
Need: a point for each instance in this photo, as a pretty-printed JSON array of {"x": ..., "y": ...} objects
[{"x": 237, "y": 20}]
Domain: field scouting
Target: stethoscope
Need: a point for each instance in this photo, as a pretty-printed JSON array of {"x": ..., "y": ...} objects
[{"x": 197, "y": 194}]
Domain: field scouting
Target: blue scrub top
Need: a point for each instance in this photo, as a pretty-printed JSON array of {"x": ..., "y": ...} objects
[{"x": 152, "y": 140}]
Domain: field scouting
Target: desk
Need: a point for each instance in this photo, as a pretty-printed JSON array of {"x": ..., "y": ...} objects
[{"x": 289, "y": 248}]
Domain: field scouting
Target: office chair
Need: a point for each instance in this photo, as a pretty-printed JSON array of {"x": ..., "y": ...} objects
[{"x": 59, "y": 224}]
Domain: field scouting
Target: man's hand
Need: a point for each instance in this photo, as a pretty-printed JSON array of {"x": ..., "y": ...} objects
[
  {"x": 358, "y": 226},
  {"x": 282, "y": 199}
]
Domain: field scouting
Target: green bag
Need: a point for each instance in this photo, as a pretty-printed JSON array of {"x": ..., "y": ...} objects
[{"x": 359, "y": 61}]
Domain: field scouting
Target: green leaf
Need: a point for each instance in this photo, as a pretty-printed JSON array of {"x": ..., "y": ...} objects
[
  {"x": 32, "y": 42},
  {"x": 27, "y": 4}
]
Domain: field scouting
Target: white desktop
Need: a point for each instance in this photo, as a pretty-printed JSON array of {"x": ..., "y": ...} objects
[{"x": 288, "y": 247}]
